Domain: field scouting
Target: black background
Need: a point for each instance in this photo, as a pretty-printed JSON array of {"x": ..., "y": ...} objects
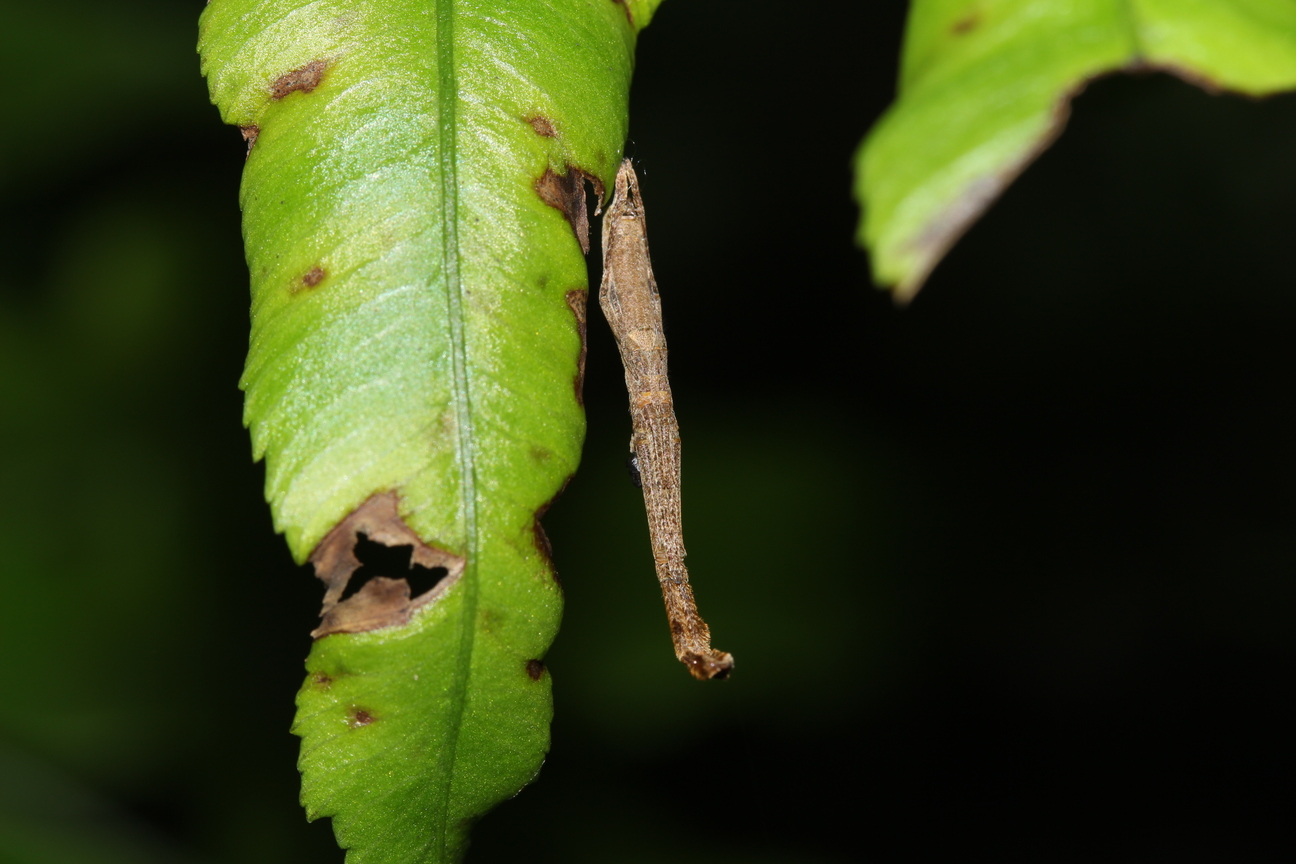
[{"x": 1007, "y": 573}]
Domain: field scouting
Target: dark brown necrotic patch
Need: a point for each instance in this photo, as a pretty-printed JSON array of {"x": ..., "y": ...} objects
[
  {"x": 250, "y": 135},
  {"x": 543, "y": 126},
  {"x": 966, "y": 24},
  {"x": 360, "y": 717},
  {"x": 578, "y": 300},
  {"x": 567, "y": 193},
  {"x": 303, "y": 78},
  {"x": 313, "y": 277},
  {"x": 367, "y": 563},
  {"x": 542, "y": 544},
  {"x": 535, "y": 669}
]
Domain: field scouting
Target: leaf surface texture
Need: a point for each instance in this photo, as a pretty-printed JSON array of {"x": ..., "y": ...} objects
[{"x": 417, "y": 319}]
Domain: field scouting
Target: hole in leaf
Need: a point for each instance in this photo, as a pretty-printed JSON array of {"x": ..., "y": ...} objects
[
  {"x": 381, "y": 595},
  {"x": 377, "y": 559}
]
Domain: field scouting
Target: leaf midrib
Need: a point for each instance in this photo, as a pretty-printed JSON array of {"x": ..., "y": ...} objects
[{"x": 447, "y": 99}]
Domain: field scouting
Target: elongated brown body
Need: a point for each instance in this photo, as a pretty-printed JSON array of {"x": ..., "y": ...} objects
[{"x": 628, "y": 296}]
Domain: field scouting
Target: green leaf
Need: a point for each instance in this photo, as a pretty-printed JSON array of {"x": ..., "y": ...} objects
[
  {"x": 413, "y": 218},
  {"x": 640, "y": 12},
  {"x": 985, "y": 86}
]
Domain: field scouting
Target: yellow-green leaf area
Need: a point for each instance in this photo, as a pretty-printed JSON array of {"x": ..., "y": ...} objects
[
  {"x": 371, "y": 717},
  {"x": 985, "y": 84},
  {"x": 417, "y": 317}
]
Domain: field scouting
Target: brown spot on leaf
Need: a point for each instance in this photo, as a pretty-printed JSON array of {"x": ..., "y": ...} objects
[
  {"x": 250, "y": 135},
  {"x": 567, "y": 193},
  {"x": 491, "y": 621},
  {"x": 625, "y": 7},
  {"x": 965, "y": 24},
  {"x": 303, "y": 78},
  {"x": 313, "y": 277},
  {"x": 543, "y": 126},
  {"x": 322, "y": 681},
  {"x": 542, "y": 544},
  {"x": 578, "y": 299},
  {"x": 535, "y": 669},
  {"x": 381, "y": 602},
  {"x": 360, "y": 717}
]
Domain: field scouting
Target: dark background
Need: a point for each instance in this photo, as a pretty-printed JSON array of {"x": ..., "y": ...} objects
[{"x": 1008, "y": 573}]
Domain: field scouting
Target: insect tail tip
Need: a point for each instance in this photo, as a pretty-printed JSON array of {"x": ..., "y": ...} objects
[{"x": 711, "y": 665}]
